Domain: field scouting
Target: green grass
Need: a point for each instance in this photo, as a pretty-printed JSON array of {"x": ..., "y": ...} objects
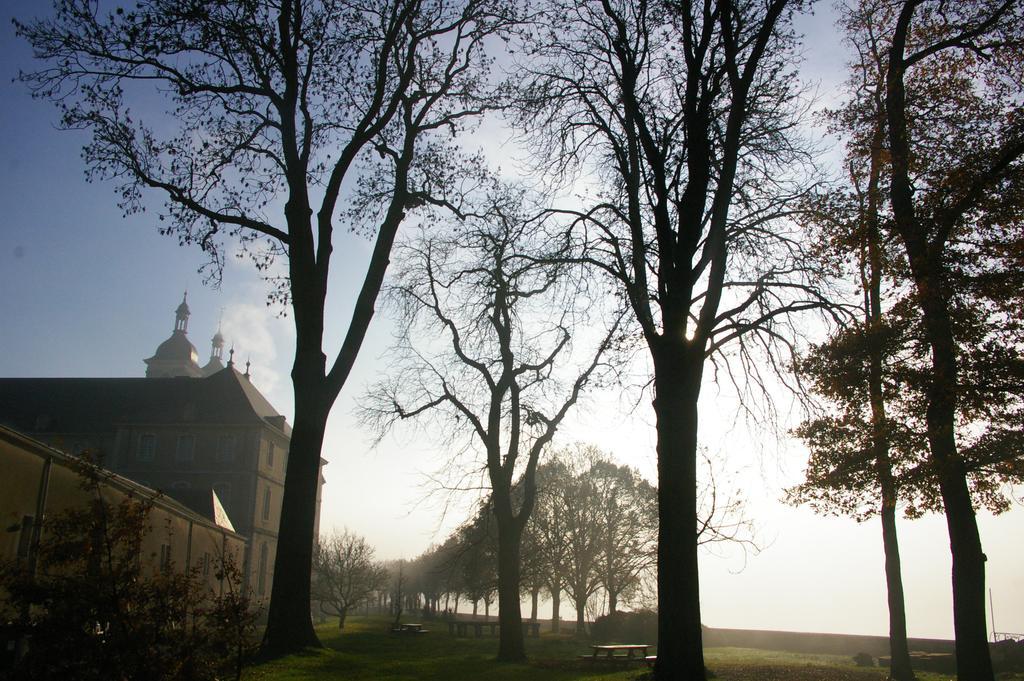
[{"x": 365, "y": 650}]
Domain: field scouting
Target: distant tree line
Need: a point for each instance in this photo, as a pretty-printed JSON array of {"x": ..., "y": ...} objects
[{"x": 592, "y": 535}]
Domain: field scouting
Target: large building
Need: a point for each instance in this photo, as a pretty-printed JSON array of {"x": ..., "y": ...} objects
[
  {"x": 41, "y": 481},
  {"x": 185, "y": 429}
]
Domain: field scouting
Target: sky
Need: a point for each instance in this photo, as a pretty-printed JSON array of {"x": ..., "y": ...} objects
[{"x": 86, "y": 291}]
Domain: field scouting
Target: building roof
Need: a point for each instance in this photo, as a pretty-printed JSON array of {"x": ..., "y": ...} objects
[
  {"x": 98, "y": 405},
  {"x": 205, "y": 502},
  {"x": 28, "y": 444},
  {"x": 176, "y": 348},
  {"x": 213, "y": 366}
]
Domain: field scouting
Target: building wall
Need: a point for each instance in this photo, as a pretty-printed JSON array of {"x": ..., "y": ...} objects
[
  {"x": 242, "y": 474},
  {"x": 228, "y": 470},
  {"x": 265, "y": 512},
  {"x": 41, "y": 482}
]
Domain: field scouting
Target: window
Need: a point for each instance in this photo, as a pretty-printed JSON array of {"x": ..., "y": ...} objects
[
  {"x": 266, "y": 504},
  {"x": 226, "y": 448},
  {"x": 186, "y": 448},
  {"x": 25, "y": 538},
  {"x": 261, "y": 577},
  {"x": 147, "y": 447},
  {"x": 270, "y": 454},
  {"x": 165, "y": 557}
]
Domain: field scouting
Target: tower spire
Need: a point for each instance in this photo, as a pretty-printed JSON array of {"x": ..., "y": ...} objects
[
  {"x": 217, "y": 345},
  {"x": 181, "y": 315}
]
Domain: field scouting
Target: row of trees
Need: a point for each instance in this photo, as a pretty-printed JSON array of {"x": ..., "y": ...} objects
[
  {"x": 677, "y": 123},
  {"x": 593, "y": 532},
  {"x": 679, "y": 115},
  {"x": 593, "y": 528}
]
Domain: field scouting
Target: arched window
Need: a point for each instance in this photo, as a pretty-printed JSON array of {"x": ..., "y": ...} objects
[{"x": 261, "y": 577}]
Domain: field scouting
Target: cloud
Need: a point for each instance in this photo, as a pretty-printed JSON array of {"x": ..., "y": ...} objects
[{"x": 250, "y": 328}]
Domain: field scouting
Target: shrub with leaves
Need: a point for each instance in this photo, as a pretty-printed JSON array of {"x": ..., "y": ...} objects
[{"x": 863, "y": 660}]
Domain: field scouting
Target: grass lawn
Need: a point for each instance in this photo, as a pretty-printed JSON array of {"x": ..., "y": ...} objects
[{"x": 365, "y": 650}]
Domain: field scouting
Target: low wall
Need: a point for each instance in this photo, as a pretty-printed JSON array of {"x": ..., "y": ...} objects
[{"x": 802, "y": 642}]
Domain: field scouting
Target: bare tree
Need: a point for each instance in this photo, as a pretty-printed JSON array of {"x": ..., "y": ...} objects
[
  {"x": 277, "y": 109},
  {"x": 576, "y": 501},
  {"x": 682, "y": 113},
  {"x": 596, "y": 524},
  {"x": 627, "y": 513},
  {"x": 345, "y": 573},
  {"x": 514, "y": 360},
  {"x": 548, "y": 526}
]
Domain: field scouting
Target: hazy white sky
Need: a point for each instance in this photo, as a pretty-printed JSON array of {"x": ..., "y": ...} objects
[{"x": 86, "y": 292}]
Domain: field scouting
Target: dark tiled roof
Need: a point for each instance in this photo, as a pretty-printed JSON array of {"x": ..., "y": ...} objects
[
  {"x": 28, "y": 444},
  {"x": 98, "y": 405}
]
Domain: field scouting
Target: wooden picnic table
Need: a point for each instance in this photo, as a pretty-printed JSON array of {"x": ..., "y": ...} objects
[
  {"x": 628, "y": 652},
  {"x": 409, "y": 628}
]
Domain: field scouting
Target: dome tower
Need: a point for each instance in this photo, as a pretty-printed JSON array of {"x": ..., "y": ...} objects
[{"x": 176, "y": 356}]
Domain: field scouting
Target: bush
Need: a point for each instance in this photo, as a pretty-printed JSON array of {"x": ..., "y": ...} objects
[
  {"x": 863, "y": 660},
  {"x": 630, "y": 627}
]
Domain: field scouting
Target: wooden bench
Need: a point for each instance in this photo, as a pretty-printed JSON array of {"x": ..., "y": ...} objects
[
  {"x": 408, "y": 628},
  {"x": 618, "y": 652},
  {"x": 462, "y": 628}
]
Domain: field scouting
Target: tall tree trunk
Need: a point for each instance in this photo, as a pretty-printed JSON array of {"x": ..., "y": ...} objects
[
  {"x": 511, "y": 646},
  {"x": 677, "y": 387},
  {"x": 973, "y": 658},
  {"x": 342, "y": 614},
  {"x": 613, "y": 602},
  {"x": 974, "y": 662},
  {"x": 581, "y": 613},
  {"x": 534, "y": 599},
  {"x": 899, "y": 651},
  {"x": 289, "y": 623},
  {"x": 556, "y": 604},
  {"x": 899, "y": 668}
]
